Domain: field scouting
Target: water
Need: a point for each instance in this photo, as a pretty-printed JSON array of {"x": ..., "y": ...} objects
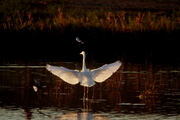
[{"x": 135, "y": 91}]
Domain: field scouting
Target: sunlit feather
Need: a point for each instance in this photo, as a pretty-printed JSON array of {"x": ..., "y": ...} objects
[
  {"x": 69, "y": 76},
  {"x": 104, "y": 72},
  {"x": 86, "y": 77}
]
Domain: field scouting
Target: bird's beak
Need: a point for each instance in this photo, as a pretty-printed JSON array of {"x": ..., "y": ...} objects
[{"x": 80, "y": 53}]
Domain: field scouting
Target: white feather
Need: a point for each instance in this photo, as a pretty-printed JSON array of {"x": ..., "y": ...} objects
[
  {"x": 85, "y": 77},
  {"x": 104, "y": 72},
  {"x": 35, "y": 88},
  {"x": 69, "y": 76}
]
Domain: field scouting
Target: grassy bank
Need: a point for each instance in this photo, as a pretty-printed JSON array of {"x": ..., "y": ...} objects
[
  {"x": 38, "y": 16},
  {"x": 46, "y": 30}
]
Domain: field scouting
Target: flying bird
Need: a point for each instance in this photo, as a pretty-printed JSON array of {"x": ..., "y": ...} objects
[
  {"x": 37, "y": 85},
  {"x": 86, "y": 77},
  {"x": 78, "y": 40}
]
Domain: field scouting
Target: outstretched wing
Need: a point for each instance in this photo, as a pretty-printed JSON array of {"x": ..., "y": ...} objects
[
  {"x": 69, "y": 76},
  {"x": 104, "y": 72}
]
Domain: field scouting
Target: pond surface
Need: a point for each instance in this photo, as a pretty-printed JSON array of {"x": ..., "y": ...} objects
[{"x": 135, "y": 91}]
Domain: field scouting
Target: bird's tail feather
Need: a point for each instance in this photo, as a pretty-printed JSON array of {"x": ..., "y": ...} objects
[{"x": 88, "y": 84}]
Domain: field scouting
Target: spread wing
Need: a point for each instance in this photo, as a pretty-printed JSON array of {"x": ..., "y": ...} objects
[
  {"x": 69, "y": 76},
  {"x": 104, "y": 72}
]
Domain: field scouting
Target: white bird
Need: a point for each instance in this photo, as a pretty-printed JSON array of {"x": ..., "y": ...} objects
[
  {"x": 37, "y": 85},
  {"x": 86, "y": 77},
  {"x": 78, "y": 40}
]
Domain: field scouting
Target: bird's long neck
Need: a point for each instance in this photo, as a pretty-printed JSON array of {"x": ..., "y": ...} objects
[{"x": 84, "y": 63}]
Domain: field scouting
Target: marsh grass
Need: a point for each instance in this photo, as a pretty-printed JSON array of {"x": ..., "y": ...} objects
[
  {"x": 41, "y": 16},
  {"x": 31, "y": 22}
]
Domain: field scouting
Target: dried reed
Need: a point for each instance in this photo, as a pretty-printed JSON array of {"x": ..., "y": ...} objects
[{"x": 55, "y": 17}]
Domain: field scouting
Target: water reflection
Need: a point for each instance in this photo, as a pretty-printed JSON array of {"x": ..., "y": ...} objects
[
  {"x": 84, "y": 113},
  {"x": 76, "y": 116},
  {"x": 136, "y": 91}
]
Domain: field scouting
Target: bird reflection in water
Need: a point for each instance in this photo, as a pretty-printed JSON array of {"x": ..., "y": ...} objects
[{"x": 85, "y": 114}]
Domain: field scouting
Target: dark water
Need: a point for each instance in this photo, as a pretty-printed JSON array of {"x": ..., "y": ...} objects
[{"x": 135, "y": 91}]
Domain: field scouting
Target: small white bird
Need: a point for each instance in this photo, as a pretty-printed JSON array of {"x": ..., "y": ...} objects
[
  {"x": 86, "y": 77},
  {"x": 78, "y": 40},
  {"x": 37, "y": 85}
]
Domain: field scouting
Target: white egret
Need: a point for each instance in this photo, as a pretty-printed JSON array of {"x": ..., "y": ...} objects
[
  {"x": 78, "y": 40},
  {"x": 86, "y": 77},
  {"x": 37, "y": 85}
]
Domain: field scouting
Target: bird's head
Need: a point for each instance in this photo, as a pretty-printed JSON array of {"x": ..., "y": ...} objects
[{"x": 83, "y": 53}]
